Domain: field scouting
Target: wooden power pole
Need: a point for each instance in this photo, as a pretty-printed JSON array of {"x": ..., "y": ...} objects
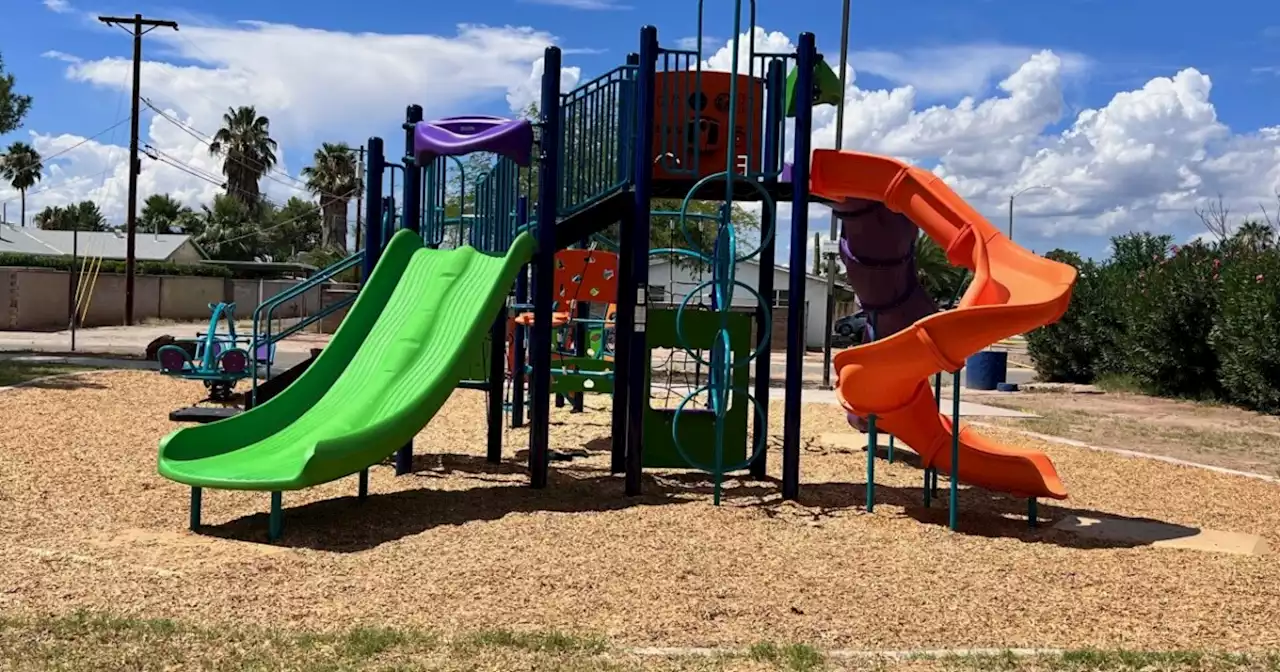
[{"x": 137, "y": 26}]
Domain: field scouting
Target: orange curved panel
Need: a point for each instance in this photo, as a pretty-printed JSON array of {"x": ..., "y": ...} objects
[{"x": 1013, "y": 291}]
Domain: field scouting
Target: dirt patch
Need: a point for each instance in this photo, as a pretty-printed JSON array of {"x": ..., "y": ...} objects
[
  {"x": 1210, "y": 434},
  {"x": 462, "y": 545}
]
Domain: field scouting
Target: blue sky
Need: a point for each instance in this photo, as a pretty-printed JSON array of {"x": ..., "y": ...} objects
[{"x": 941, "y": 50}]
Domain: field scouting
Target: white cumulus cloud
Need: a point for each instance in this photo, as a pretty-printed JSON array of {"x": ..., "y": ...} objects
[{"x": 991, "y": 120}]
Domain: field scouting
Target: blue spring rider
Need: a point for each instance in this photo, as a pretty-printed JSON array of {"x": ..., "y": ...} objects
[{"x": 220, "y": 360}]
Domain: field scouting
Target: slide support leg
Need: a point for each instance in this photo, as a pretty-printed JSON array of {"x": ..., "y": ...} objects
[
  {"x": 404, "y": 459},
  {"x": 1033, "y": 516},
  {"x": 871, "y": 463},
  {"x": 275, "y": 522},
  {"x": 955, "y": 452},
  {"x": 196, "y": 496},
  {"x": 362, "y": 490}
]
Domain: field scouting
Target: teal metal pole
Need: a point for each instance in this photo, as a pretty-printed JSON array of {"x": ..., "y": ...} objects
[
  {"x": 1033, "y": 516},
  {"x": 275, "y": 522},
  {"x": 890, "y": 449},
  {"x": 955, "y": 448},
  {"x": 871, "y": 463}
]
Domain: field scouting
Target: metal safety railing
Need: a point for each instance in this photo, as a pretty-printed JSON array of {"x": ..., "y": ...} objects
[
  {"x": 598, "y": 129},
  {"x": 263, "y": 337}
]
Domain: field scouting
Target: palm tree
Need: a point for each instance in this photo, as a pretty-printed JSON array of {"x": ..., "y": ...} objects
[
  {"x": 82, "y": 216},
  {"x": 248, "y": 151},
  {"x": 161, "y": 214},
  {"x": 939, "y": 278},
  {"x": 335, "y": 178},
  {"x": 21, "y": 165},
  {"x": 1256, "y": 236}
]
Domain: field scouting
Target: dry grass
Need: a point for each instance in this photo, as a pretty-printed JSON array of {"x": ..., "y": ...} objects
[
  {"x": 461, "y": 546},
  {"x": 1205, "y": 433},
  {"x": 83, "y": 641}
]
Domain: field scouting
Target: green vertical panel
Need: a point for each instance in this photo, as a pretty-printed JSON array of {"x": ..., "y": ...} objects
[{"x": 698, "y": 428}]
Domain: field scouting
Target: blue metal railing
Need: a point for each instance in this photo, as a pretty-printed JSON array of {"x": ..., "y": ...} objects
[
  {"x": 597, "y": 129},
  {"x": 262, "y": 315}
]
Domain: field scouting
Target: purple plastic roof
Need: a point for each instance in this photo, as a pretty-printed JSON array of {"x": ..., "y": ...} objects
[{"x": 455, "y": 136}]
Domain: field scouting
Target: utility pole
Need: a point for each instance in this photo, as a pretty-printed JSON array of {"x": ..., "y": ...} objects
[
  {"x": 135, "y": 25},
  {"x": 831, "y": 258}
]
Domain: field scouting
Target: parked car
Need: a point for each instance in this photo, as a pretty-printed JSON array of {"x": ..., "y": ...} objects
[{"x": 851, "y": 327}]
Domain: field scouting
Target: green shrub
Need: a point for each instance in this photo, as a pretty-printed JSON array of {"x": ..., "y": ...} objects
[
  {"x": 1246, "y": 337},
  {"x": 1170, "y": 310},
  {"x": 63, "y": 263},
  {"x": 1068, "y": 350}
]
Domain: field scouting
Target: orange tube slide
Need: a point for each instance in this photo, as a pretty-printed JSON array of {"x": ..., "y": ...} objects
[{"x": 1013, "y": 291}]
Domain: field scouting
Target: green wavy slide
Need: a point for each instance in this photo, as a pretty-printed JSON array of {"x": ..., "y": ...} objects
[{"x": 388, "y": 369}]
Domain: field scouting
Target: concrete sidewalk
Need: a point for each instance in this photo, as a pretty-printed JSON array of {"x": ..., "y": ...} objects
[{"x": 131, "y": 342}]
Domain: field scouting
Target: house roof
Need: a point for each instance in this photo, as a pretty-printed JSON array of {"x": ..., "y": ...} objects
[{"x": 107, "y": 244}]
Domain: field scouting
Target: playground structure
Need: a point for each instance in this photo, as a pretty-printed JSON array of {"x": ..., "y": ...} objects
[{"x": 526, "y": 264}]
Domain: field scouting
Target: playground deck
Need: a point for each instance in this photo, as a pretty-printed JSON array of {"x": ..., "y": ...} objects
[{"x": 460, "y": 545}]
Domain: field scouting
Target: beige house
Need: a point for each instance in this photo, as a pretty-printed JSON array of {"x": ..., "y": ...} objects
[{"x": 172, "y": 247}]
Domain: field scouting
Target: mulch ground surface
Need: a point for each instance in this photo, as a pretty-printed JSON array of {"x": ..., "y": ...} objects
[{"x": 461, "y": 544}]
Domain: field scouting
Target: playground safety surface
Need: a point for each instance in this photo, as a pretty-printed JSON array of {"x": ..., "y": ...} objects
[{"x": 459, "y": 545}]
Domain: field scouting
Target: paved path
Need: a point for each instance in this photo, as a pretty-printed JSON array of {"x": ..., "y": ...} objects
[{"x": 132, "y": 342}]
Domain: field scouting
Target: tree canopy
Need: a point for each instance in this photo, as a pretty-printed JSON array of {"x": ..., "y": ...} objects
[{"x": 13, "y": 105}]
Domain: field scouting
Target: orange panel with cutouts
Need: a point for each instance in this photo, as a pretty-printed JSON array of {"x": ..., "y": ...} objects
[{"x": 685, "y": 117}]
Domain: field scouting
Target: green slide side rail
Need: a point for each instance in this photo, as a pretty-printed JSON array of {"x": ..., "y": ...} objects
[{"x": 388, "y": 369}]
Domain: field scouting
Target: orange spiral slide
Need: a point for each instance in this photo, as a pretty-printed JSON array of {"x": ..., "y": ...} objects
[{"x": 1013, "y": 291}]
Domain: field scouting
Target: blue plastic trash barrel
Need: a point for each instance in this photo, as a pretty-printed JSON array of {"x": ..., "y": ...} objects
[{"x": 985, "y": 370}]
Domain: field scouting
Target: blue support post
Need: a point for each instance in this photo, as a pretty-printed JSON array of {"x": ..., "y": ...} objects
[
  {"x": 497, "y": 376},
  {"x": 275, "y": 520},
  {"x": 582, "y": 312},
  {"x": 624, "y": 318},
  {"x": 805, "y": 55},
  {"x": 624, "y": 321},
  {"x": 362, "y": 485},
  {"x": 638, "y": 348},
  {"x": 774, "y": 104},
  {"x": 928, "y": 487},
  {"x": 373, "y": 242},
  {"x": 871, "y": 463},
  {"x": 955, "y": 450},
  {"x": 522, "y": 298},
  {"x": 544, "y": 269},
  {"x": 410, "y": 219},
  {"x": 196, "y": 497}
]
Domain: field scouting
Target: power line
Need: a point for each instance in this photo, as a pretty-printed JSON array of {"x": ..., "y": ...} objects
[
  {"x": 247, "y": 162},
  {"x": 95, "y": 136}
]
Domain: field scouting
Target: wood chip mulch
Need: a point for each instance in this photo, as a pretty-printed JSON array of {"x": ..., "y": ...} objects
[{"x": 460, "y": 544}]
